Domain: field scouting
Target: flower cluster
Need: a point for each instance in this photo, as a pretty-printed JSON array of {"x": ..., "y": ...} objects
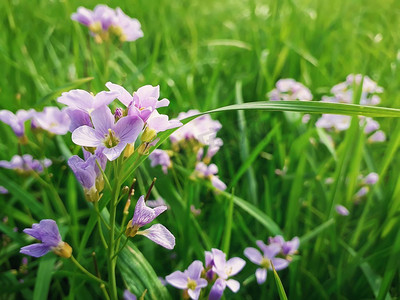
[
  {"x": 199, "y": 138},
  {"x": 343, "y": 93},
  {"x": 51, "y": 119},
  {"x": 289, "y": 89},
  {"x": 267, "y": 258},
  {"x": 104, "y": 21},
  {"x": 218, "y": 270},
  {"x": 25, "y": 164}
]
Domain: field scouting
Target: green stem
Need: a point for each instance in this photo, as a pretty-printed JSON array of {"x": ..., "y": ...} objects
[
  {"x": 103, "y": 240},
  {"x": 111, "y": 245},
  {"x": 80, "y": 267}
]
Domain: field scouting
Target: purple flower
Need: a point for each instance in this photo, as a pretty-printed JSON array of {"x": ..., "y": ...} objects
[
  {"x": 104, "y": 20},
  {"x": 287, "y": 248},
  {"x": 144, "y": 215},
  {"x": 143, "y": 102},
  {"x": 25, "y": 164},
  {"x": 113, "y": 137},
  {"x": 160, "y": 157},
  {"x": 225, "y": 269},
  {"x": 53, "y": 120},
  {"x": 290, "y": 89},
  {"x": 16, "y": 121},
  {"x": 203, "y": 129},
  {"x": 341, "y": 210},
  {"x": 362, "y": 192},
  {"x": 189, "y": 279},
  {"x": 371, "y": 178},
  {"x": 337, "y": 122},
  {"x": 209, "y": 172},
  {"x": 88, "y": 175},
  {"x": 265, "y": 260},
  {"x": 157, "y": 123},
  {"x": 129, "y": 296},
  {"x": 378, "y": 136},
  {"x": 47, "y": 232},
  {"x": 3, "y": 190}
]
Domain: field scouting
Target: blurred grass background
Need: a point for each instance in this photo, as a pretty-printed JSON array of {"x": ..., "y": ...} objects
[{"x": 207, "y": 54}]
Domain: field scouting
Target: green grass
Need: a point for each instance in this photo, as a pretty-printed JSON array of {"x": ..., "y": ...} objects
[{"x": 205, "y": 55}]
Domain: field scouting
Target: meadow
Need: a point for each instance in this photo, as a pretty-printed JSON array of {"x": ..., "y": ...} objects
[{"x": 278, "y": 173}]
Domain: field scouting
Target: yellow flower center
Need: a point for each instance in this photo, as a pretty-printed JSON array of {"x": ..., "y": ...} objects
[
  {"x": 110, "y": 139},
  {"x": 265, "y": 263},
  {"x": 191, "y": 284}
]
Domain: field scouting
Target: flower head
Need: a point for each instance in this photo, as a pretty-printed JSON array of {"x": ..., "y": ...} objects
[
  {"x": 160, "y": 157},
  {"x": 225, "y": 269},
  {"x": 290, "y": 89},
  {"x": 202, "y": 170},
  {"x": 3, "y": 190},
  {"x": 108, "y": 134},
  {"x": 53, "y": 120},
  {"x": 103, "y": 21},
  {"x": 144, "y": 215},
  {"x": 189, "y": 279},
  {"x": 266, "y": 259},
  {"x": 16, "y": 121},
  {"x": 341, "y": 210},
  {"x": 25, "y": 164},
  {"x": 47, "y": 232}
]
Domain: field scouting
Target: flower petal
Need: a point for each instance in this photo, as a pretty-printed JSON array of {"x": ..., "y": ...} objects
[
  {"x": 160, "y": 235},
  {"x": 102, "y": 119},
  {"x": 177, "y": 279},
  {"x": 279, "y": 263},
  {"x": 86, "y": 136},
  {"x": 217, "y": 289},
  {"x": 195, "y": 269},
  {"x": 124, "y": 96},
  {"x": 233, "y": 285},
  {"x": 194, "y": 294},
  {"x": 35, "y": 250},
  {"x": 235, "y": 265},
  {"x": 253, "y": 255},
  {"x": 261, "y": 275},
  {"x": 128, "y": 128}
]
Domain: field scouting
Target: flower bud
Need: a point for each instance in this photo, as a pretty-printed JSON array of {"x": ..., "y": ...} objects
[
  {"x": 129, "y": 149},
  {"x": 63, "y": 250},
  {"x": 148, "y": 135}
]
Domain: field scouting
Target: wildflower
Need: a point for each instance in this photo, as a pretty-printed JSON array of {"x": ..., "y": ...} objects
[
  {"x": 265, "y": 260},
  {"x": 157, "y": 123},
  {"x": 129, "y": 296},
  {"x": 143, "y": 215},
  {"x": 113, "y": 137},
  {"x": 53, "y": 120},
  {"x": 288, "y": 248},
  {"x": 378, "y": 136},
  {"x": 362, "y": 192},
  {"x": 158, "y": 202},
  {"x": 142, "y": 102},
  {"x": 337, "y": 122},
  {"x": 341, "y": 210},
  {"x": 16, "y": 121},
  {"x": 189, "y": 280},
  {"x": 209, "y": 172},
  {"x": 88, "y": 175},
  {"x": 225, "y": 269},
  {"x": 371, "y": 178},
  {"x": 47, "y": 232},
  {"x": 103, "y": 21},
  {"x": 160, "y": 157},
  {"x": 290, "y": 89},
  {"x": 25, "y": 164},
  {"x": 3, "y": 190}
]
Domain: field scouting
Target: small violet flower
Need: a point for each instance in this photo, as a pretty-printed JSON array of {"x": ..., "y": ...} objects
[
  {"x": 189, "y": 280},
  {"x": 160, "y": 157},
  {"x": 290, "y": 89},
  {"x": 265, "y": 260},
  {"x": 129, "y": 296},
  {"x": 202, "y": 170},
  {"x": 108, "y": 134},
  {"x": 47, "y": 232},
  {"x": 53, "y": 120},
  {"x": 25, "y": 164},
  {"x": 143, "y": 215},
  {"x": 371, "y": 178},
  {"x": 341, "y": 210},
  {"x": 17, "y": 121},
  {"x": 103, "y": 21},
  {"x": 225, "y": 269}
]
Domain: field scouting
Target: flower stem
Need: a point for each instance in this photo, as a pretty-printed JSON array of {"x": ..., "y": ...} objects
[{"x": 80, "y": 267}]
